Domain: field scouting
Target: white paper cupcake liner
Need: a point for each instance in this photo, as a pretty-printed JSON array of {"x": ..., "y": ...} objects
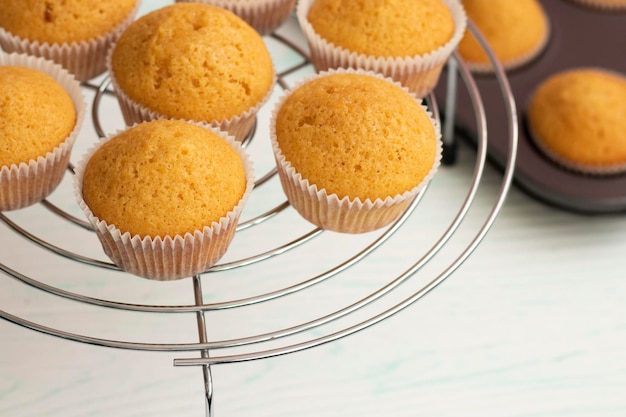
[
  {"x": 169, "y": 257},
  {"x": 328, "y": 211},
  {"x": 85, "y": 60},
  {"x": 419, "y": 74},
  {"x": 30, "y": 182},
  {"x": 265, "y": 16},
  {"x": 238, "y": 126}
]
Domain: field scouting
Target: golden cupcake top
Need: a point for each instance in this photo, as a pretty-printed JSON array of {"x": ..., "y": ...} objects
[
  {"x": 579, "y": 115},
  {"x": 514, "y": 30},
  {"x": 383, "y": 28},
  {"x": 163, "y": 178},
  {"x": 63, "y": 21},
  {"x": 356, "y": 135},
  {"x": 193, "y": 61},
  {"x": 36, "y": 114}
]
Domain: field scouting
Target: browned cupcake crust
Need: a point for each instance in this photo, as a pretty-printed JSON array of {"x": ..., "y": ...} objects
[
  {"x": 578, "y": 117},
  {"x": 63, "y": 21},
  {"x": 163, "y": 178},
  {"x": 36, "y": 114},
  {"x": 193, "y": 61},
  {"x": 394, "y": 28},
  {"x": 356, "y": 135},
  {"x": 516, "y": 31}
]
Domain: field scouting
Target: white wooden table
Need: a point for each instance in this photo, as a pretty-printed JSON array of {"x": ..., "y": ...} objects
[{"x": 532, "y": 324}]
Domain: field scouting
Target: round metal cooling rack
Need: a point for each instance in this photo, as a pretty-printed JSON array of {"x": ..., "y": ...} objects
[{"x": 254, "y": 347}]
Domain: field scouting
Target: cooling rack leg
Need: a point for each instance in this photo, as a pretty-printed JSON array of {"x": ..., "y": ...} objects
[
  {"x": 208, "y": 389},
  {"x": 206, "y": 369},
  {"x": 448, "y": 139}
]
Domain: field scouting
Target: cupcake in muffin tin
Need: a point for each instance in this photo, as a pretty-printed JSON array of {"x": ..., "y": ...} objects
[
  {"x": 516, "y": 31},
  {"x": 581, "y": 37},
  {"x": 577, "y": 118}
]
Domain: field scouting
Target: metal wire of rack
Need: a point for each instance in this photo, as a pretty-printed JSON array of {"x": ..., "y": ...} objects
[{"x": 257, "y": 346}]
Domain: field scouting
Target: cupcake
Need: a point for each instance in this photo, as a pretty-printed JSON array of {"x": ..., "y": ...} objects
[
  {"x": 192, "y": 61},
  {"x": 353, "y": 149},
  {"x": 407, "y": 40},
  {"x": 41, "y": 112},
  {"x": 607, "y": 5},
  {"x": 164, "y": 196},
  {"x": 516, "y": 31},
  {"x": 73, "y": 33},
  {"x": 265, "y": 16},
  {"x": 577, "y": 118}
]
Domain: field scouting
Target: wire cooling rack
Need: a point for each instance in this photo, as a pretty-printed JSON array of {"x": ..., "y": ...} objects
[{"x": 389, "y": 297}]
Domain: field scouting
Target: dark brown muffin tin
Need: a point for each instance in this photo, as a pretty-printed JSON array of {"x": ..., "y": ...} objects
[{"x": 580, "y": 37}]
